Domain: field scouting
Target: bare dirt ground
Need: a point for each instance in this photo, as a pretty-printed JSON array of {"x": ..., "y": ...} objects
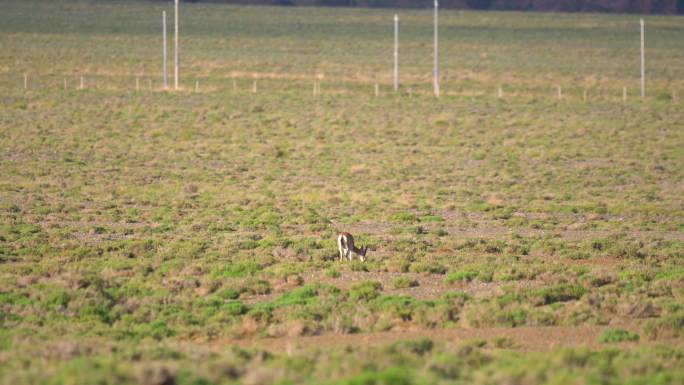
[{"x": 520, "y": 338}]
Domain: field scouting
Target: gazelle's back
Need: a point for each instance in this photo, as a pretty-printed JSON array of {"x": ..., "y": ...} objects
[{"x": 346, "y": 238}]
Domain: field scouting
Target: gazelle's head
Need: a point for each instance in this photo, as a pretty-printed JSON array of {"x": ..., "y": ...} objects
[{"x": 362, "y": 254}]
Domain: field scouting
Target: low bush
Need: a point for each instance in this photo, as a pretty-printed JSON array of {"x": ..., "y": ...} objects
[
  {"x": 460, "y": 276},
  {"x": 365, "y": 291},
  {"x": 404, "y": 282},
  {"x": 390, "y": 376},
  {"x": 558, "y": 293},
  {"x": 333, "y": 273},
  {"x": 428, "y": 268},
  {"x": 618, "y": 335},
  {"x": 670, "y": 326}
]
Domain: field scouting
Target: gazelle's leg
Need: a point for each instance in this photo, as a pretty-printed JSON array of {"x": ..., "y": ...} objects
[{"x": 349, "y": 255}]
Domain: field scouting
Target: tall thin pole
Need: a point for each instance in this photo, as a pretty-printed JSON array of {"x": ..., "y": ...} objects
[
  {"x": 396, "y": 53},
  {"x": 166, "y": 75},
  {"x": 436, "y": 55},
  {"x": 643, "y": 60},
  {"x": 175, "y": 59}
]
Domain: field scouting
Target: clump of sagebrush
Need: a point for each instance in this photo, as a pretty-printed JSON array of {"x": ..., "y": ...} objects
[
  {"x": 365, "y": 291},
  {"x": 460, "y": 276},
  {"x": 618, "y": 335},
  {"x": 404, "y": 282},
  {"x": 428, "y": 268},
  {"x": 558, "y": 293},
  {"x": 333, "y": 273},
  {"x": 668, "y": 326}
]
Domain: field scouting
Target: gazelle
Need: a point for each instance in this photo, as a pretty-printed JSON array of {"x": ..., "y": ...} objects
[{"x": 345, "y": 243}]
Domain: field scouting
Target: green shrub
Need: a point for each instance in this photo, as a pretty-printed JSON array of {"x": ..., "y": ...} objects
[
  {"x": 404, "y": 217},
  {"x": 398, "y": 306},
  {"x": 617, "y": 335},
  {"x": 135, "y": 249},
  {"x": 299, "y": 296},
  {"x": 428, "y": 268},
  {"x": 56, "y": 300},
  {"x": 670, "y": 326},
  {"x": 404, "y": 282},
  {"x": 391, "y": 376},
  {"x": 190, "y": 249},
  {"x": 236, "y": 308},
  {"x": 418, "y": 230},
  {"x": 511, "y": 317},
  {"x": 431, "y": 218},
  {"x": 156, "y": 329},
  {"x": 441, "y": 233},
  {"x": 460, "y": 276},
  {"x": 365, "y": 291},
  {"x": 419, "y": 347},
  {"x": 485, "y": 276},
  {"x": 357, "y": 265},
  {"x": 398, "y": 265},
  {"x": 236, "y": 270},
  {"x": 225, "y": 294},
  {"x": 256, "y": 287},
  {"x": 446, "y": 366},
  {"x": 84, "y": 370},
  {"x": 559, "y": 293},
  {"x": 504, "y": 342}
]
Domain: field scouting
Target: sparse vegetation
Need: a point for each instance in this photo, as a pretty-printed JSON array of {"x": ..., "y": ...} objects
[{"x": 189, "y": 237}]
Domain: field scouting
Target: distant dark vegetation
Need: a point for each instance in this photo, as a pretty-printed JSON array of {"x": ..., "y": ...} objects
[{"x": 617, "y": 6}]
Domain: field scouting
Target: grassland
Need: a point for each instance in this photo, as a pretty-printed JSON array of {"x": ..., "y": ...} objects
[{"x": 158, "y": 237}]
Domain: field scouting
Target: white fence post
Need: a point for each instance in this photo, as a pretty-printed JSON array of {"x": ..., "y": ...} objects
[
  {"x": 436, "y": 54},
  {"x": 25, "y": 81},
  {"x": 175, "y": 53},
  {"x": 643, "y": 62},
  {"x": 166, "y": 75},
  {"x": 396, "y": 53}
]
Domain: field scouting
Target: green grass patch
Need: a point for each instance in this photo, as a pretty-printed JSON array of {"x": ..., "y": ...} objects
[{"x": 617, "y": 335}]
